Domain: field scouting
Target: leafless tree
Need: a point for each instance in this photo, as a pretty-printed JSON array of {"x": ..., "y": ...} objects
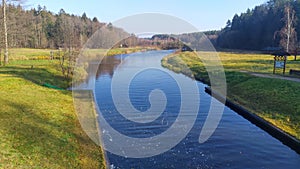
[
  {"x": 5, "y": 32},
  {"x": 288, "y": 32}
]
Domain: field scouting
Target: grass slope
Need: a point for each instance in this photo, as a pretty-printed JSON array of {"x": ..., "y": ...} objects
[
  {"x": 275, "y": 100},
  {"x": 38, "y": 125}
]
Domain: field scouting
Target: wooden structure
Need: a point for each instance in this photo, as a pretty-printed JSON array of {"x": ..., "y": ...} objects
[
  {"x": 280, "y": 60},
  {"x": 185, "y": 48},
  {"x": 51, "y": 55},
  {"x": 295, "y": 72}
]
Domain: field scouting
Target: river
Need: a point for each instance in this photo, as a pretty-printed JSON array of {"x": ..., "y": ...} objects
[{"x": 236, "y": 143}]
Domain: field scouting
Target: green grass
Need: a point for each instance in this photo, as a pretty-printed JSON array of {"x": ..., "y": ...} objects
[
  {"x": 275, "y": 100},
  {"x": 38, "y": 125},
  {"x": 29, "y": 54},
  {"x": 94, "y": 54},
  {"x": 37, "y": 71},
  {"x": 118, "y": 51},
  {"x": 260, "y": 63}
]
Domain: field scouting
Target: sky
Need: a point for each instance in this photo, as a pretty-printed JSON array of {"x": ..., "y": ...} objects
[{"x": 203, "y": 14}]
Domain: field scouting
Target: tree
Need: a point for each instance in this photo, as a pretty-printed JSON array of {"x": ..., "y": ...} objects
[
  {"x": 110, "y": 26},
  {"x": 288, "y": 32},
  {"x": 5, "y": 33},
  {"x": 39, "y": 28},
  {"x": 84, "y": 17},
  {"x": 95, "y": 19},
  {"x": 0, "y": 57},
  {"x": 297, "y": 10}
]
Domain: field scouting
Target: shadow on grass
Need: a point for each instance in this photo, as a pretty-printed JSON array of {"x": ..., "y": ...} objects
[
  {"x": 38, "y": 141},
  {"x": 39, "y": 76}
]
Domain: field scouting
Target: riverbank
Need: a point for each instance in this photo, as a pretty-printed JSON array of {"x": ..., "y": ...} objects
[
  {"x": 38, "y": 125},
  {"x": 275, "y": 100}
]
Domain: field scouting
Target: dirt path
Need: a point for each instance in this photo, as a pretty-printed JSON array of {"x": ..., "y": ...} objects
[{"x": 273, "y": 76}]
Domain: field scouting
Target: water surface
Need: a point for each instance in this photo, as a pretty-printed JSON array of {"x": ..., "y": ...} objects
[{"x": 236, "y": 143}]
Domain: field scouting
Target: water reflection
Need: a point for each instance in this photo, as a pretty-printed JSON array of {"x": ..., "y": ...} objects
[
  {"x": 108, "y": 65},
  {"x": 95, "y": 70}
]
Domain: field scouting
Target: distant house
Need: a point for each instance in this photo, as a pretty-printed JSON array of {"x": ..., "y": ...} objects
[
  {"x": 123, "y": 45},
  {"x": 280, "y": 53},
  {"x": 186, "y": 48}
]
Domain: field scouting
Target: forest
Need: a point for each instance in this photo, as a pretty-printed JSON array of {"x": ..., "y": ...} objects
[
  {"x": 40, "y": 28},
  {"x": 273, "y": 24}
]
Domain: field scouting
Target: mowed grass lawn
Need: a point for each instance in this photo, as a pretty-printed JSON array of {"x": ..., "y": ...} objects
[
  {"x": 38, "y": 125},
  {"x": 29, "y": 54},
  {"x": 260, "y": 63},
  {"x": 277, "y": 101}
]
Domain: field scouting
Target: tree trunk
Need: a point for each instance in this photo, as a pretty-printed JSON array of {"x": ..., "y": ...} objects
[
  {"x": 288, "y": 33},
  {"x": 289, "y": 30},
  {"x": 0, "y": 57},
  {"x": 5, "y": 33}
]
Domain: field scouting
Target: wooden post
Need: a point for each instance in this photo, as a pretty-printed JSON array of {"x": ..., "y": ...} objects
[
  {"x": 51, "y": 55},
  {"x": 274, "y": 67},
  {"x": 284, "y": 64},
  {"x": 278, "y": 60}
]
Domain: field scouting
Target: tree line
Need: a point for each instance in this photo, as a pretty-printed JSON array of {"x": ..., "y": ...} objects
[
  {"x": 40, "y": 28},
  {"x": 273, "y": 24}
]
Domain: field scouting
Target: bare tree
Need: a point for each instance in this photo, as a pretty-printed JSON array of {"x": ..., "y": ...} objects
[
  {"x": 288, "y": 32},
  {"x": 0, "y": 56},
  {"x": 5, "y": 33}
]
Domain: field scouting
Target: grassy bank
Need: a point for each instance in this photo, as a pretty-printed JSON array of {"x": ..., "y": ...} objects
[
  {"x": 275, "y": 100},
  {"x": 94, "y": 54},
  {"x": 38, "y": 125}
]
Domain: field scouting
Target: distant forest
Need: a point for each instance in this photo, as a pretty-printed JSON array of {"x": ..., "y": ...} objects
[
  {"x": 270, "y": 25},
  {"x": 273, "y": 24},
  {"x": 40, "y": 28}
]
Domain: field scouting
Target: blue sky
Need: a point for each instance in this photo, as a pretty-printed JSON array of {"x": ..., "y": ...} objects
[{"x": 203, "y": 14}]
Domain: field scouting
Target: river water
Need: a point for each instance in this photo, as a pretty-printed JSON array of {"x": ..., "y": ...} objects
[{"x": 236, "y": 143}]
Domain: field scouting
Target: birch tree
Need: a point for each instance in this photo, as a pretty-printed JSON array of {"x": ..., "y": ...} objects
[
  {"x": 288, "y": 32},
  {"x": 5, "y": 33}
]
